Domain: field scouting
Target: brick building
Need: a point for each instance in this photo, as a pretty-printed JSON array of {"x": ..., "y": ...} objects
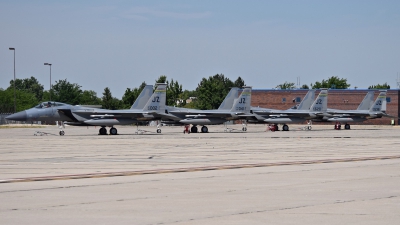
[{"x": 345, "y": 99}]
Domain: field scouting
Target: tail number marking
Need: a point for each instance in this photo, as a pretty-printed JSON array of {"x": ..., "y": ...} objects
[
  {"x": 156, "y": 99},
  {"x": 240, "y": 108}
]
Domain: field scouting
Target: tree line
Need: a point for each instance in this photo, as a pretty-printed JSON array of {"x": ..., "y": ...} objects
[
  {"x": 333, "y": 82},
  {"x": 209, "y": 93},
  {"x": 29, "y": 93}
]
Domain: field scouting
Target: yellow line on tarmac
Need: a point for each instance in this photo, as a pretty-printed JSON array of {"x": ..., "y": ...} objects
[{"x": 192, "y": 169}]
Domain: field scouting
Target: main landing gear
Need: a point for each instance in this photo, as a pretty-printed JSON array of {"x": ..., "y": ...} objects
[
  {"x": 103, "y": 131},
  {"x": 194, "y": 129},
  {"x": 285, "y": 127}
]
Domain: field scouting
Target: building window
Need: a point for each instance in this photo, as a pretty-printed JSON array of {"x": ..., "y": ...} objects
[
  {"x": 284, "y": 100},
  {"x": 298, "y": 99},
  {"x": 388, "y": 99}
]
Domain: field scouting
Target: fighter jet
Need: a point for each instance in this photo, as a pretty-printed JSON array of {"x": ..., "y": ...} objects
[
  {"x": 230, "y": 109},
  {"x": 307, "y": 110},
  {"x": 375, "y": 110},
  {"x": 146, "y": 104},
  {"x": 49, "y": 112},
  {"x": 103, "y": 117},
  {"x": 258, "y": 114}
]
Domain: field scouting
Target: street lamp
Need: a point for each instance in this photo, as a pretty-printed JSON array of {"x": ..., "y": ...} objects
[
  {"x": 15, "y": 101},
  {"x": 49, "y": 64}
]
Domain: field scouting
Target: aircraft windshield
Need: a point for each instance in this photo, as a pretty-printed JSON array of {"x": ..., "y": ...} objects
[{"x": 45, "y": 105}]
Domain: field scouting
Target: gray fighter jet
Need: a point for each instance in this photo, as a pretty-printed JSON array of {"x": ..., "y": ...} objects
[
  {"x": 49, "y": 112},
  {"x": 259, "y": 115},
  {"x": 230, "y": 109},
  {"x": 138, "y": 112},
  {"x": 142, "y": 110},
  {"x": 307, "y": 110},
  {"x": 364, "y": 111}
]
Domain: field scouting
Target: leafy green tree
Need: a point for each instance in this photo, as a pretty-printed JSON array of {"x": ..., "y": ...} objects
[
  {"x": 45, "y": 96},
  {"x": 24, "y": 100},
  {"x": 30, "y": 85},
  {"x": 304, "y": 86},
  {"x": 380, "y": 86},
  {"x": 333, "y": 82},
  {"x": 6, "y": 101},
  {"x": 239, "y": 82},
  {"x": 162, "y": 79},
  {"x": 212, "y": 91},
  {"x": 109, "y": 102},
  {"x": 174, "y": 91},
  {"x": 89, "y": 98},
  {"x": 286, "y": 85},
  {"x": 130, "y": 96},
  {"x": 64, "y": 91}
]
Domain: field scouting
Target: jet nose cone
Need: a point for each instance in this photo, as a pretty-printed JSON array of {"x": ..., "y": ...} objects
[{"x": 19, "y": 116}]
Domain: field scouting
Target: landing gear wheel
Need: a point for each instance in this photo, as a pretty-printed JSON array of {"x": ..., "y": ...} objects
[
  {"x": 158, "y": 130},
  {"x": 113, "y": 131},
  {"x": 244, "y": 128},
  {"x": 347, "y": 127},
  {"x": 62, "y": 133},
  {"x": 193, "y": 129},
  {"x": 103, "y": 131},
  {"x": 204, "y": 129},
  {"x": 285, "y": 128}
]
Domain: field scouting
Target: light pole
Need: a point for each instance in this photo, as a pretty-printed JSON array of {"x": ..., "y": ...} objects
[
  {"x": 49, "y": 64},
  {"x": 15, "y": 101}
]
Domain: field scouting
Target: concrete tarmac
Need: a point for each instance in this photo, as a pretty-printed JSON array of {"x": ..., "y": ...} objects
[{"x": 322, "y": 176}]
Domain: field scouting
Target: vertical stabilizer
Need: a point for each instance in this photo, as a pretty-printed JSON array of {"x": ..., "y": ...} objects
[
  {"x": 307, "y": 101},
  {"x": 379, "y": 104},
  {"x": 242, "y": 104},
  {"x": 229, "y": 99},
  {"x": 321, "y": 102},
  {"x": 157, "y": 100},
  {"x": 367, "y": 101},
  {"x": 143, "y": 98}
]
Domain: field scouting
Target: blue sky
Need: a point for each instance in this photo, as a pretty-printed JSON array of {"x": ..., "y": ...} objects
[{"x": 120, "y": 44}]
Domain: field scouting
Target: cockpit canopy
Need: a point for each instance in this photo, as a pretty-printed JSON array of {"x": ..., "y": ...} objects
[{"x": 49, "y": 104}]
